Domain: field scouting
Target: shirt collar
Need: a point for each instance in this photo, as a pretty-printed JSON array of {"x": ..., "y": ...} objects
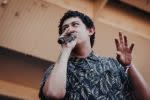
[{"x": 91, "y": 56}]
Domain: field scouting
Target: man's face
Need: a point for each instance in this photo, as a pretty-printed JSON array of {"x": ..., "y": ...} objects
[{"x": 74, "y": 24}]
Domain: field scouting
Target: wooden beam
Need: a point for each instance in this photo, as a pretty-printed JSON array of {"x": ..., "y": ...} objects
[
  {"x": 86, "y": 6},
  {"x": 18, "y": 91},
  {"x": 98, "y": 6},
  {"x": 125, "y": 19},
  {"x": 141, "y": 4}
]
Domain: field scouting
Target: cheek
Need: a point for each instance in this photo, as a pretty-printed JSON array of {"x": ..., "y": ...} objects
[
  {"x": 82, "y": 34},
  {"x": 82, "y": 37}
]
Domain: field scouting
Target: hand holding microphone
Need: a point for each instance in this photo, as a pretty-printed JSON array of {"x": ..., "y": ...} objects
[{"x": 67, "y": 38}]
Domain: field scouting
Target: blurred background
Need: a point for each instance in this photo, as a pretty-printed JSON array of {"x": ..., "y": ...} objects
[{"x": 29, "y": 32}]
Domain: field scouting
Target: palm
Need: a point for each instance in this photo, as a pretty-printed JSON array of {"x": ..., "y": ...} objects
[{"x": 124, "y": 55}]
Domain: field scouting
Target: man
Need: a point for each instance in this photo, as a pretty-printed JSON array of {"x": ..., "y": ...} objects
[{"x": 78, "y": 74}]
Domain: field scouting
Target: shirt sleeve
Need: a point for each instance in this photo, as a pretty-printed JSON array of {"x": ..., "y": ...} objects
[{"x": 46, "y": 74}]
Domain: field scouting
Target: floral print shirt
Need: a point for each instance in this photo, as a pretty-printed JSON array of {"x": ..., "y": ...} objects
[{"x": 94, "y": 78}]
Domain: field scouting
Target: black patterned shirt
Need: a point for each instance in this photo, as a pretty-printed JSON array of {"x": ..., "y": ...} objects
[{"x": 94, "y": 78}]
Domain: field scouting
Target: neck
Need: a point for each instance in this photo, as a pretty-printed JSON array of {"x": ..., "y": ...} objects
[{"x": 82, "y": 50}]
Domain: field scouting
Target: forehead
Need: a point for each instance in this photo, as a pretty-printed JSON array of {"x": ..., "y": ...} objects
[{"x": 72, "y": 19}]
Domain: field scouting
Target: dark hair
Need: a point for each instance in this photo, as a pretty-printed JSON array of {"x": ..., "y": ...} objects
[{"x": 85, "y": 19}]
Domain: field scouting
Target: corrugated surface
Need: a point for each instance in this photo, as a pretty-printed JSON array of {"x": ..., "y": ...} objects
[
  {"x": 28, "y": 26},
  {"x": 142, "y": 4}
]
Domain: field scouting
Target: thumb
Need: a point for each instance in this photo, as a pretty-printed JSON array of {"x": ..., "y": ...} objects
[{"x": 118, "y": 53}]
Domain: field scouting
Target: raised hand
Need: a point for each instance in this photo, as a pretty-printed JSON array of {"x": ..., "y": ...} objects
[{"x": 124, "y": 53}]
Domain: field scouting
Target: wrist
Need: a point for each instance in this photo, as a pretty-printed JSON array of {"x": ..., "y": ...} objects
[
  {"x": 66, "y": 49},
  {"x": 128, "y": 67},
  {"x": 64, "y": 54}
]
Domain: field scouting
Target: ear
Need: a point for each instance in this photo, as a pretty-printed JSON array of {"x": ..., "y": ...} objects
[{"x": 91, "y": 31}]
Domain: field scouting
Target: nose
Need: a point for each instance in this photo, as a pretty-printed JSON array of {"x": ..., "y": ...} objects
[{"x": 70, "y": 29}]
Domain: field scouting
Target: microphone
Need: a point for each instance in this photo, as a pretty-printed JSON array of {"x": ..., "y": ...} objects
[{"x": 66, "y": 39}]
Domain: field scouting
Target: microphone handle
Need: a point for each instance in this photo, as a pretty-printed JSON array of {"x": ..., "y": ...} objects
[{"x": 66, "y": 39}]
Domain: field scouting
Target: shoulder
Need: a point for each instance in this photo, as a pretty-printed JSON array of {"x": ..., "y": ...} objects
[
  {"x": 108, "y": 59},
  {"x": 112, "y": 62}
]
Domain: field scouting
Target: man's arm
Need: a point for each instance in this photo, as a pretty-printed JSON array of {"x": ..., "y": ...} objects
[
  {"x": 55, "y": 85},
  {"x": 140, "y": 87}
]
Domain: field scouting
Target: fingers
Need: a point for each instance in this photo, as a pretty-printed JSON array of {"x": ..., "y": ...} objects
[
  {"x": 125, "y": 41},
  {"x": 63, "y": 34},
  {"x": 131, "y": 47},
  {"x": 117, "y": 44},
  {"x": 120, "y": 38},
  {"x": 118, "y": 53},
  {"x": 122, "y": 42}
]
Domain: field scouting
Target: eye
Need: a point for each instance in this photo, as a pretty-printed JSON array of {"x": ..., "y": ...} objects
[
  {"x": 64, "y": 27},
  {"x": 75, "y": 24}
]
